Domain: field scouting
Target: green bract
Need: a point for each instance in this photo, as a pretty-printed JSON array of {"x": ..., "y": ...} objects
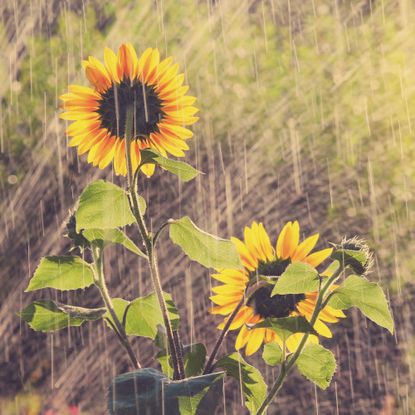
[
  {"x": 204, "y": 248},
  {"x": 103, "y": 205},
  {"x": 62, "y": 273}
]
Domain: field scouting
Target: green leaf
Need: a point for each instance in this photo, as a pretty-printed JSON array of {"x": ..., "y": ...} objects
[
  {"x": 194, "y": 357},
  {"x": 147, "y": 391},
  {"x": 120, "y": 306},
  {"x": 62, "y": 273},
  {"x": 103, "y": 205},
  {"x": 182, "y": 170},
  {"x": 253, "y": 386},
  {"x": 272, "y": 354},
  {"x": 46, "y": 315},
  {"x": 115, "y": 236},
  {"x": 143, "y": 315},
  {"x": 317, "y": 364},
  {"x": 367, "y": 296},
  {"x": 287, "y": 326},
  {"x": 298, "y": 278},
  {"x": 202, "y": 247}
]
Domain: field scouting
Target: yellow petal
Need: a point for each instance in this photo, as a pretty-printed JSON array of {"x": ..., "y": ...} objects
[
  {"x": 316, "y": 258},
  {"x": 305, "y": 247},
  {"x": 255, "y": 341}
]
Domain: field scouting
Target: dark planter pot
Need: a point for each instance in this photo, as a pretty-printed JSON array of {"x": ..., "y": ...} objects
[{"x": 150, "y": 392}]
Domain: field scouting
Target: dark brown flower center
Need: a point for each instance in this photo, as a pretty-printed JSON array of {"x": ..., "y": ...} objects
[
  {"x": 277, "y": 306},
  {"x": 115, "y": 101}
]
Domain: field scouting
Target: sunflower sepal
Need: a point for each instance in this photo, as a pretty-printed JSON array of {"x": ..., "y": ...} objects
[
  {"x": 286, "y": 326},
  {"x": 298, "y": 278},
  {"x": 355, "y": 254},
  {"x": 184, "y": 171}
]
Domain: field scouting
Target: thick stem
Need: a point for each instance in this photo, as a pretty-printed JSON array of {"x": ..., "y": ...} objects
[
  {"x": 173, "y": 340},
  {"x": 287, "y": 365},
  {"x": 103, "y": 289},
  {"x": 221, "y": 338}
]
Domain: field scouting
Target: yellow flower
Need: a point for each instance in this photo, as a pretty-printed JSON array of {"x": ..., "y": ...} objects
[
  {"x": 155, "y": 90},
  {"x": 260, "y": 258}
]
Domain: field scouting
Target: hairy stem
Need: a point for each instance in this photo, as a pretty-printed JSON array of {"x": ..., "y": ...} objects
[
  {"x": 103, "y": 289},
  {"x": 172, "y": 337},
  {"x": 289, "y": 363}
]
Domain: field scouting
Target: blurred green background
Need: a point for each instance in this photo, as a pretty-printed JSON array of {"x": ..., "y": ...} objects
[{"x": 307, "y": 110}]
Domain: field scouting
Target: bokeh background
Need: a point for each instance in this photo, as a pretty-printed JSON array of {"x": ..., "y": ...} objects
[{"x": 307, "y": 111}]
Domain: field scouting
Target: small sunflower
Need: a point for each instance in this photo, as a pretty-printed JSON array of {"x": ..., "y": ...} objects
[
  {"x": 152, "y": 87},
  {"x": 260, "y": 258}
]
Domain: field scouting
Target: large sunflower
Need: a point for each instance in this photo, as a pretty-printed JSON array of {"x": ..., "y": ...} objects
[
  {"x": 260, "y": 258},
  {"x": 152, "y": 87}
]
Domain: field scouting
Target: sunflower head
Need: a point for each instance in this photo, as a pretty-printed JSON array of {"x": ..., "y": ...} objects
[
  {"x": 354, "y": 253},
  {"x": 265, "y": 262},
  {"x": 152, "y": 89}
]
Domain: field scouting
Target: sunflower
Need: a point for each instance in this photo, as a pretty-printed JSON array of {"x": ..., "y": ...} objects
[
  {"x": 154, "y": 90},
  {"x": 260, "y": 258}
]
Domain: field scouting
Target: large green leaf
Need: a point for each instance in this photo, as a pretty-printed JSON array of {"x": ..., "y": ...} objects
[
  {"x": 46, "y": 315},
  {"x": 298, "y": 278},
  {"x": 287, "y": 326},
  {"x": 143, "y": 316},
  {"x": 253, "y": 386},
  {"x": 103, "y": 205},
  {"x": 272, "y": 354},
  {"x": 62, "y": 273},
  {"x": 204, "y": 248},
  {"x": 182, "y": 170},
  {"x": 367, "y": 296},
  {"x": 317, "y": 364},
  {"x": 115, "y": 236},
  {"x": 149, "y": 392}
]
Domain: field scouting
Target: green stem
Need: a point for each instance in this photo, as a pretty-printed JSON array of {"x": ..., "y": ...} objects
[
  {"x": 287, "y": 365},
  {"x": 103, "y": 289},
  {"x": 172, "y": 337},
  {"x": 218, "y": 344}
]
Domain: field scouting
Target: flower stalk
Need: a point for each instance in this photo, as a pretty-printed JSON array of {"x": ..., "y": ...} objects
[
  {"x": 98, "y": 270},
  {"x": 172, "y": 336},
  {"x": 221, "y": 338},
  {"x": 287, "y": 364}
]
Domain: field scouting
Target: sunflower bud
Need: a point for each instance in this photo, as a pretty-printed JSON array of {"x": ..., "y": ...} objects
[
  {"x": 78, "y": 240},
  {"x": 355, "y": 254}
]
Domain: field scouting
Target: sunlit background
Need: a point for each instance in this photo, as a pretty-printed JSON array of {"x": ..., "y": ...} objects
[{"x": 307, "y": 111}]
